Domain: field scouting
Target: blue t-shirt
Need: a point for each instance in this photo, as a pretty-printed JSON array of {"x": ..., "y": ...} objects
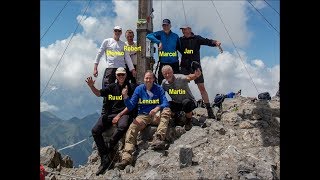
[
  {"x": 147, "y": 100},
  {"x": 170, "y": 45},
  {"x": 230, "y": 95}
]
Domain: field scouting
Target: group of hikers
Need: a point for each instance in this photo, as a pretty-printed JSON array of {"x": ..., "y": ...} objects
[{"x": 130, "y": 106}]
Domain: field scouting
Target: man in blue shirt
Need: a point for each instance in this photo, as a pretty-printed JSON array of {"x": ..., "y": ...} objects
[
  {"x": 168, "y": 44},
  {"x": 150, "y": 98}
]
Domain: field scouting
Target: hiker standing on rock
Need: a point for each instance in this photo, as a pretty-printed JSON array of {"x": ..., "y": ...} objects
[
  {"x": 177, "y": 87},
  {"x": 190, "y": 60},
  {"x": 116, "y": 56},
  {"x": 168, "y": 44},
  {"x": 115, "y": 113},
  {"x": 150, "y": 99},
  {"x": 131, "y": 44}
]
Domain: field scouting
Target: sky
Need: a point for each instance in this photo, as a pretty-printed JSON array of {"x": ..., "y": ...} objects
[{"x": 71, "y": 33}]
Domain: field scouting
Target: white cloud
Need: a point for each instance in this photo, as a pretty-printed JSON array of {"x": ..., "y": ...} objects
[
  {"x": 227, "y": 73},
  {"x": 259, "y": 63},
  {"x": 222, "y": 73},
  {"x": 74, "y": 67},
  {"x": 44, "y": 106},
  {"x": 208, "y": 23},
  {"x": 259, "y": 4},
  {"x": 53, "y": 88}
]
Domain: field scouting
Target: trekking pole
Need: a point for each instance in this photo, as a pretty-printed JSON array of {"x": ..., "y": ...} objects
[{"x": 156, "y": 70}]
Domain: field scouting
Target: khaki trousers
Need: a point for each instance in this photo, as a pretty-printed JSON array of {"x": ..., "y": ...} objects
[{"x": 139, "y": 124}]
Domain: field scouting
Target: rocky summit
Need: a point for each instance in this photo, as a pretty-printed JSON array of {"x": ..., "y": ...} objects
[{"x": 243, "y": 142}]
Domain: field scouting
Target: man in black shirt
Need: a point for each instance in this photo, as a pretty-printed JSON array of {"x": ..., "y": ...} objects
[
  {"x": 115, "y": 113},
  {"x": 190, "y": 60}
]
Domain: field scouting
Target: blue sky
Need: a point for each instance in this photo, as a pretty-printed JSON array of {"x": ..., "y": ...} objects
[{"x": 67, "y": 94}]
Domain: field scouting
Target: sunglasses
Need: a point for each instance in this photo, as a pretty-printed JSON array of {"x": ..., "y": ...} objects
[
  {"x": 121, "y": 74},
  {"x": 117, "y": 30}
]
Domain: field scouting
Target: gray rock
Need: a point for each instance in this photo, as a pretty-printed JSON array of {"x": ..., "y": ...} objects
[
  {"x": 225, "y": 149},
  {"x": 150, "y": 175},
  {"x": 50, "y": 157},
  {"x": 185, "y": 156},
  {"x": 67, "y": 161},
  {"x": 245, "y": 125}
]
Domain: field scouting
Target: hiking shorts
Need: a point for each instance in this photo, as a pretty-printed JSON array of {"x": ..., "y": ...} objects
[
  {"x": 188, "y": 70},
  {"x": 187, "y": 106}
]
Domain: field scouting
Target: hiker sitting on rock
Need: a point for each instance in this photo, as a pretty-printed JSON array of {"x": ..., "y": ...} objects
[
  {"x": 150, "y": 99},
  {"x": 115, "y": 113},
  {"x": 177, "y": 87}
]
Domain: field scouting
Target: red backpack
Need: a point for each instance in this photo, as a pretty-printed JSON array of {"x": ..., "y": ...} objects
[{"x": 43, "y": 173}]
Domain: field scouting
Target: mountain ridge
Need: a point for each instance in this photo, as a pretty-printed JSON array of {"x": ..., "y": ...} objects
[{"x": 243, "y": 144}]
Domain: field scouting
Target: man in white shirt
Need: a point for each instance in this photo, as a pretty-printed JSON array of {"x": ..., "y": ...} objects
[
  {"x": 116, "y": 56},
  {"x": 131, "y": 47}
]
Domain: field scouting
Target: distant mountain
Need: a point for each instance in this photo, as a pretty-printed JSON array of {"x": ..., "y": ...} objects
[{"x": 61, "y": 133}]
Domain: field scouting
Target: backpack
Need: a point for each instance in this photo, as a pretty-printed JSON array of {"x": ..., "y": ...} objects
[
  {"x": 264, "y": 95},
  {"x": 219, "y": 98},
  {"x": 43, "y": 173}
]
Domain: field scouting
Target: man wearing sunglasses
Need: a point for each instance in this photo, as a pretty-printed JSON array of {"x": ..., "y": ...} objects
[
  {"x": 115, "y": 113},
  {"x": 116, "y": 56},
  {"x": 168, "y": 43}
]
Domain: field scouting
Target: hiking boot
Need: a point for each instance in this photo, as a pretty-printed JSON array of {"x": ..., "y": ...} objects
[
  {"x": 121, "y": 165},
  {"x": 105, "y": 162},
  {"x": 210, "y": 113},
  {"x": 157, "y": 143},
  {"x": 188, "y": 125},
  {"x": 219, "y": 116}
]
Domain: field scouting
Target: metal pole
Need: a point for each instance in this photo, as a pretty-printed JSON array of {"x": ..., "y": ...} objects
[{"x": 144, "y": 26}]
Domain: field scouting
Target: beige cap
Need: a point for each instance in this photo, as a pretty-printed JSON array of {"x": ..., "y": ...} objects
[{"x": 120, "y": 70}]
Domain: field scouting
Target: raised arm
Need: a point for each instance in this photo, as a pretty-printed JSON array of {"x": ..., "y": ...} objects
[
  {"x": 195, "y": 75},
  {"x": 90, "y": 83},
  {"x": 206, "y": 41}
]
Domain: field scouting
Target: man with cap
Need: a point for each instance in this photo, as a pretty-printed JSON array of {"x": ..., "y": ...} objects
[
  {"x": 116, "y": 56},
  {"x": 115, "y": 113},
  {"x": 190, "y": 60},
  {"x": 168, "y": 43}
]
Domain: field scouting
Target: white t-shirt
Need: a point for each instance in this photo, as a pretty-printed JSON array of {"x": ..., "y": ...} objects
[
  {"x": 114, "y": 53},
  {"x": 133, "y": 54}
]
